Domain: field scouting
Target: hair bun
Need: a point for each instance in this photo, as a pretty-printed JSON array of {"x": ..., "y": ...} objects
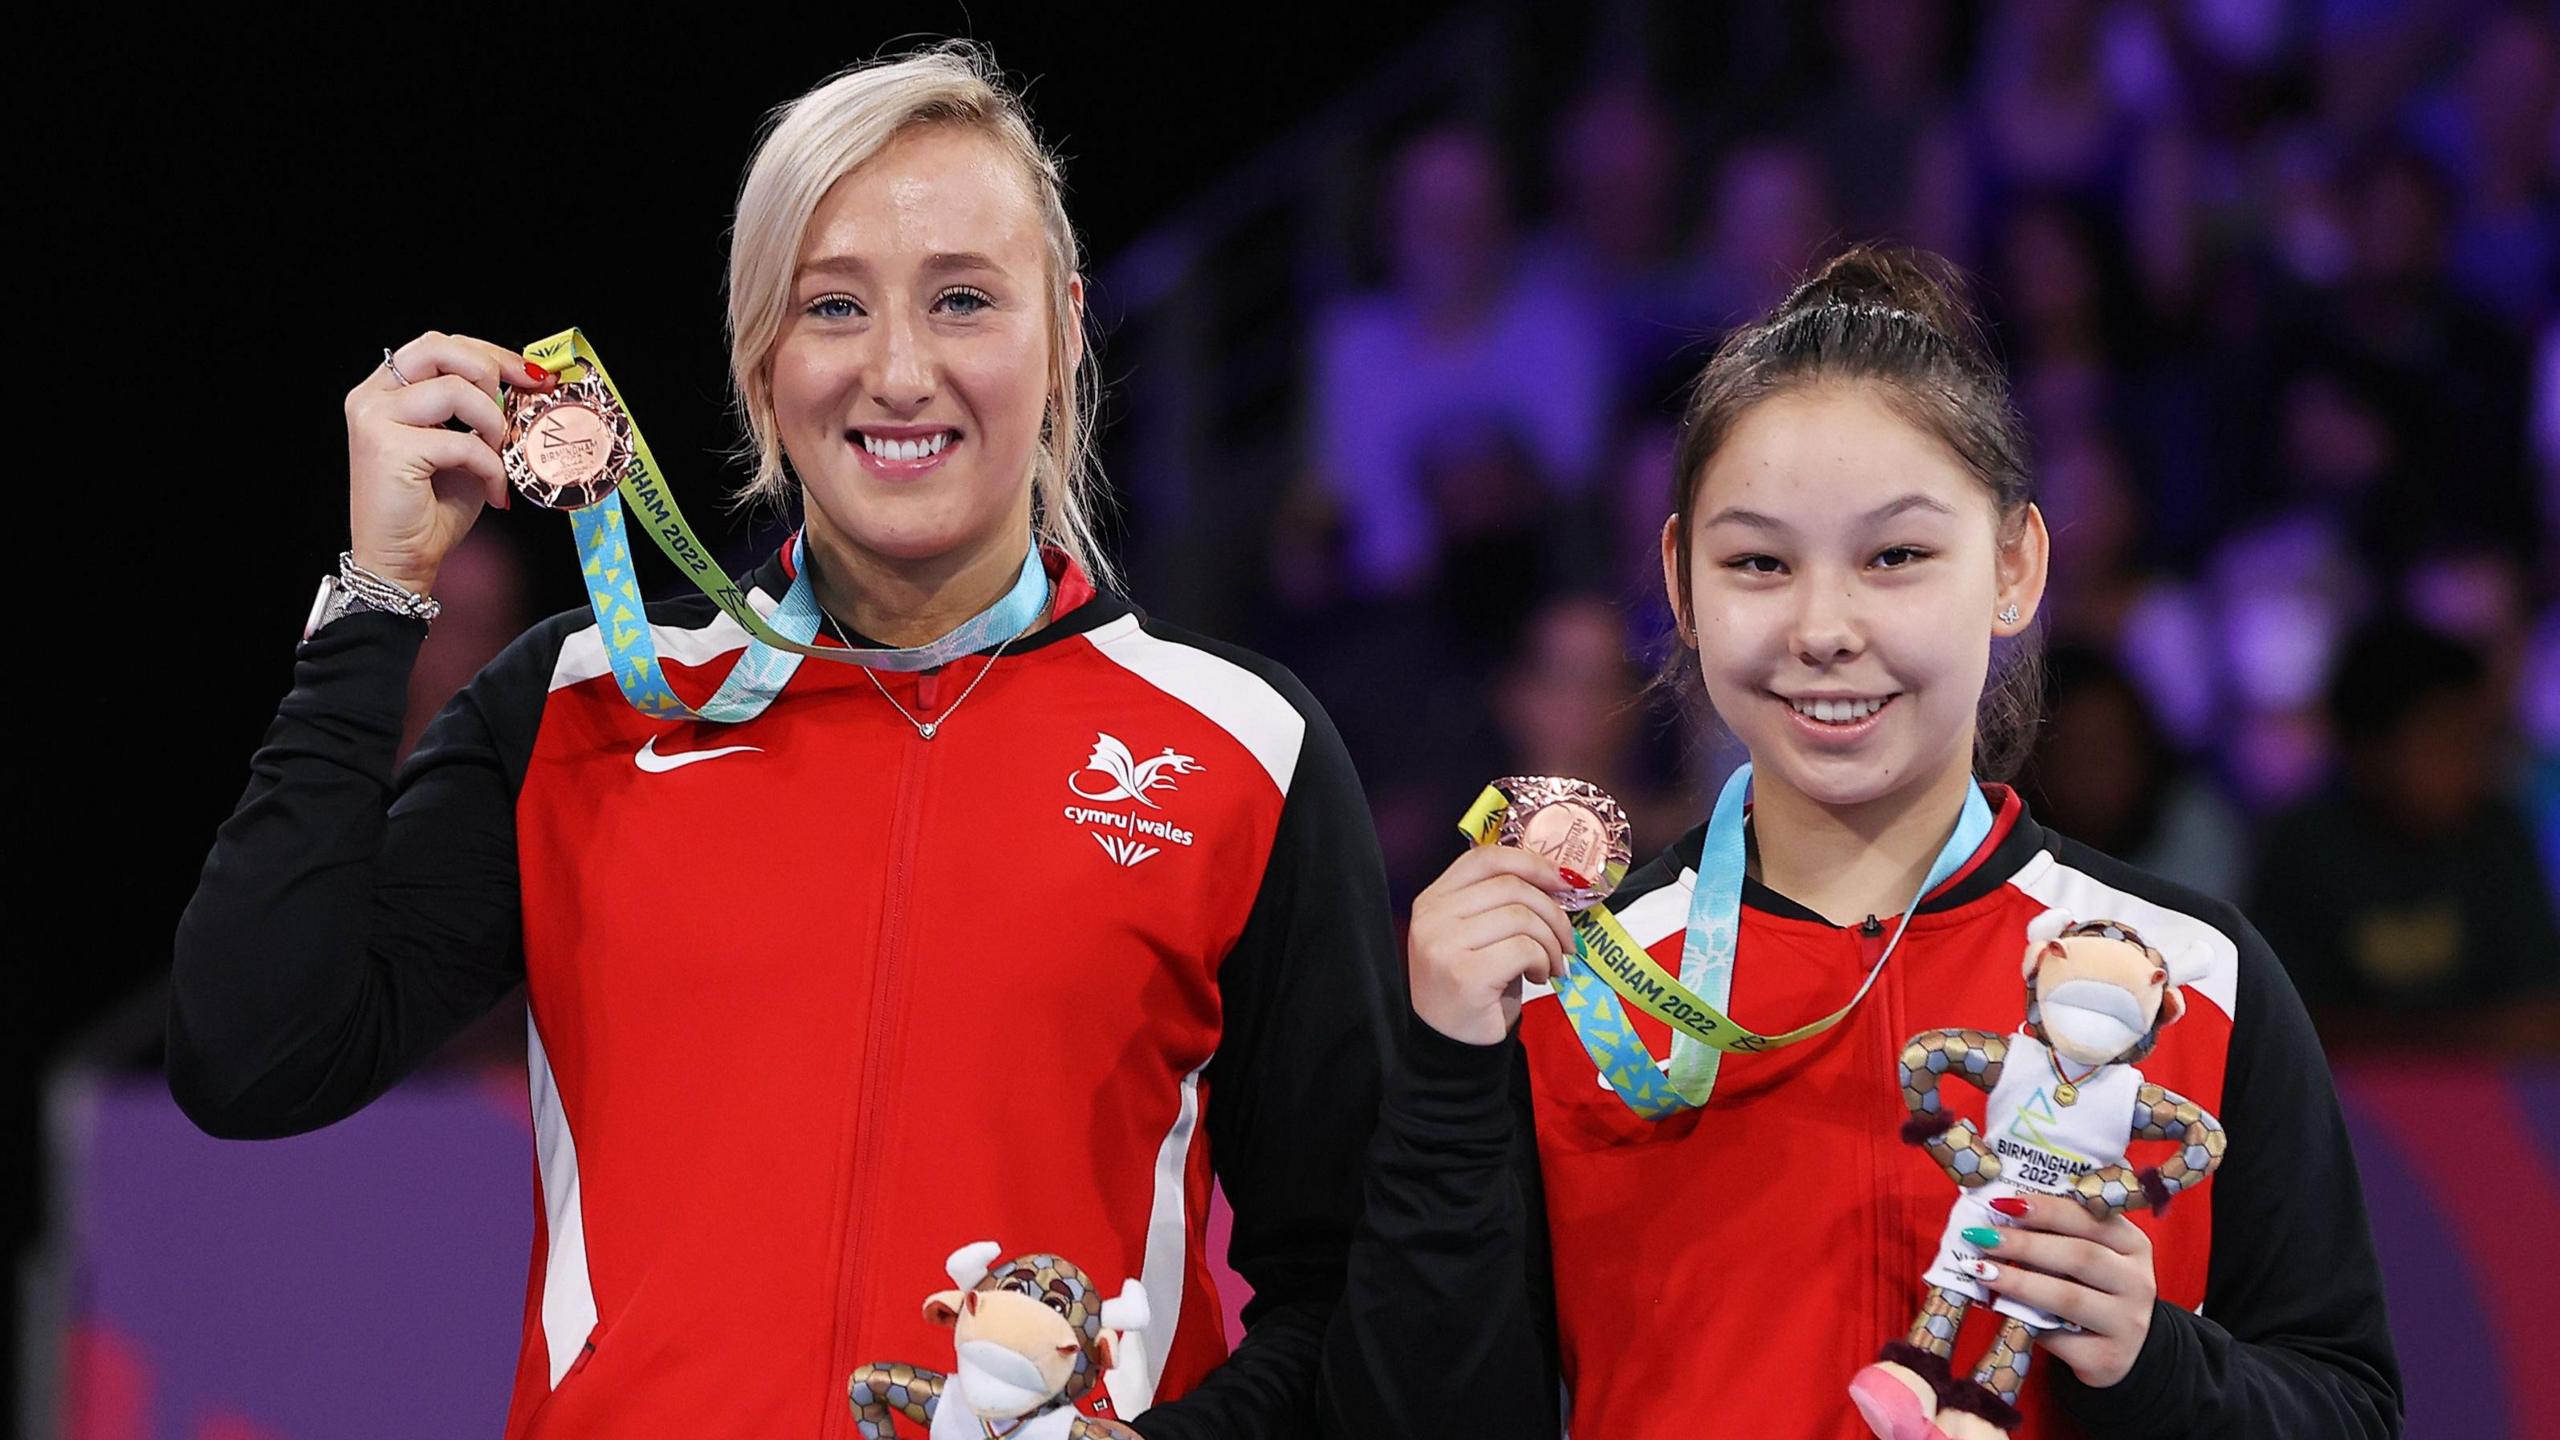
[{"x": 1886, "y": 278}]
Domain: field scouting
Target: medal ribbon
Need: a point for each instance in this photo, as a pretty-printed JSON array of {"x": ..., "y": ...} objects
[
  {"x": 774, "y": 649},
  {"x": 1611, "y": 966}
]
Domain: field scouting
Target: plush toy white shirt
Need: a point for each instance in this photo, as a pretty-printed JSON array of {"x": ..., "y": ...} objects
[{"x": 2042, "y": 1143}]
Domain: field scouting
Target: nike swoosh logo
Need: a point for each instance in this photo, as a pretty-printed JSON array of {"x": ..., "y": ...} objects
[{"x": 656, "y": 764}]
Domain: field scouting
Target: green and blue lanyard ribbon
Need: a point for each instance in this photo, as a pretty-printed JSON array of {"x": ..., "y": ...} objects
[
  {"x": 758, "y": 677},
  {"x": 775, "y": 648}
]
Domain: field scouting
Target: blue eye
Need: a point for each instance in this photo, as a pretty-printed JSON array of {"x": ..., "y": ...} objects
[
  {"x": 977, "y": 299},
  {"x": 834, "y": 307}
]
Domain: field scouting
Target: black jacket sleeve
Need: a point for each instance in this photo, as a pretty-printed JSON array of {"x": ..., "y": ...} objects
[
  {"x": 1448, "y": 1323},
  {"x": 1310, "y": 992},
  {"x": 2292, "y": 1339},
  {"x": 342, "y": 930}
]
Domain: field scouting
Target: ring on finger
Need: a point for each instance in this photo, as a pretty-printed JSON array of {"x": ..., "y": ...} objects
[{"x": 393, "y": 366}]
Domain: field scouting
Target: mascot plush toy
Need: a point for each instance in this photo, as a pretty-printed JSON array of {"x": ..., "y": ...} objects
[
  {"x": 2065, "y": 1100},
  {"x": 1033, "y": 1337}
]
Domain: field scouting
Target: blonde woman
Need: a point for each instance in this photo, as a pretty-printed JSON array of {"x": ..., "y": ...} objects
[{"x": 1006, "y": 949}]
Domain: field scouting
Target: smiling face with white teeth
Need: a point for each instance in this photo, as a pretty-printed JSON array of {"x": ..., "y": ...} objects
[
  {"x": 913, "y": 374},
  {"x": 1846, "y": 570}
]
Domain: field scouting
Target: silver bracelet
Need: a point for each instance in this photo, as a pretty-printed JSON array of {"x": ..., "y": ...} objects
[{"x": 381, "y": 594}]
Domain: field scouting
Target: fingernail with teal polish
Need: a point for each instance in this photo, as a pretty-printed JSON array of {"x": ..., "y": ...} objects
[{"x": 1983, "y": 1236}]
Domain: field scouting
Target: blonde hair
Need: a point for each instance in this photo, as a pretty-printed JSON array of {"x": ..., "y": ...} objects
[{"x": 834, "y": 130}]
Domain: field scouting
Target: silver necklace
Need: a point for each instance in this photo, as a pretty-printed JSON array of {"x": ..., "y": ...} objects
[{"x": 927, "y": 729}]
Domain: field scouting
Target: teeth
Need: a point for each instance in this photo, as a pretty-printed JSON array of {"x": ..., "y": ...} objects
[
  {"x": 1837, "y": 712},
  {"x": 907, "y": 449}
]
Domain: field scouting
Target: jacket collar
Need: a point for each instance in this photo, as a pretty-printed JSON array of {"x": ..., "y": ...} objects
[{"x": 2014, "y": 839}]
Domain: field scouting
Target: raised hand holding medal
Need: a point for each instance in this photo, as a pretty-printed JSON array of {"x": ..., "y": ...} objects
[
  {"x": 415, "y": 483},
  {"x": 1495, "y": 922}
]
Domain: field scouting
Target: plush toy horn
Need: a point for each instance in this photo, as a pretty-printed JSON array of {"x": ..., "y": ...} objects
[
  {"x": 1129, "y": 1312},
  {"x": 968, "y": 1264}
]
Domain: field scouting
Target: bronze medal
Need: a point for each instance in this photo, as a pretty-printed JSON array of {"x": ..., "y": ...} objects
[
  {"x": 1574, "y": 825},
  {"x": 567, "y": 448}
]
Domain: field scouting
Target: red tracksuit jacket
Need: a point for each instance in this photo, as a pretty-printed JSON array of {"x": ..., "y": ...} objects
[
  {"x": 815, "y": 1001},
  {"x": 1536, "y": 1257}
]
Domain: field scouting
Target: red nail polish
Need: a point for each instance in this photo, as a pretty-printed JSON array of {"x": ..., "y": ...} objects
[
  {"x": 535, "y": 373},
  {"x": 1573, "y": 878},
  {"x": 2010, "y": 1205}
]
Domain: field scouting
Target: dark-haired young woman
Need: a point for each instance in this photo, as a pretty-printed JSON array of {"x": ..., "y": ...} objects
[{"x": 1852, "y": 530}]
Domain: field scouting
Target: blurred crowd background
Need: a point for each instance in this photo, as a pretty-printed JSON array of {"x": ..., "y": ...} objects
[
  {"x": 2278, "y": 286},
  {"x": 1392, "y": 387}
]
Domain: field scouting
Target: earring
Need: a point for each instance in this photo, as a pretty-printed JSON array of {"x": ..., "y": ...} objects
[{"x": 2008, "y": 614}]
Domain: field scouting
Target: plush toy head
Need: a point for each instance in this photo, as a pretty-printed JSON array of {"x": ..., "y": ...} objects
[
  {"x": 2096, "y": 992},
  {"x": 1030, "y": 1331}
]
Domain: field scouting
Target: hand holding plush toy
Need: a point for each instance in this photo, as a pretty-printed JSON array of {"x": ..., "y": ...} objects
[
  {"x": 1033, "y": 1337},
  {"x": 2065, "y": 1100}
]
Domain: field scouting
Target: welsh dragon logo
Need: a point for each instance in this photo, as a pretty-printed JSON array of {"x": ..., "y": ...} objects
[{"x": 1127, "y": 777}]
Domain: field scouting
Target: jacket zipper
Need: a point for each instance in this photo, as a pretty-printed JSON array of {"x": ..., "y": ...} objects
[
  {"x": 854, "y": 1273},
  {"x": 1881, "y": 1150}
]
